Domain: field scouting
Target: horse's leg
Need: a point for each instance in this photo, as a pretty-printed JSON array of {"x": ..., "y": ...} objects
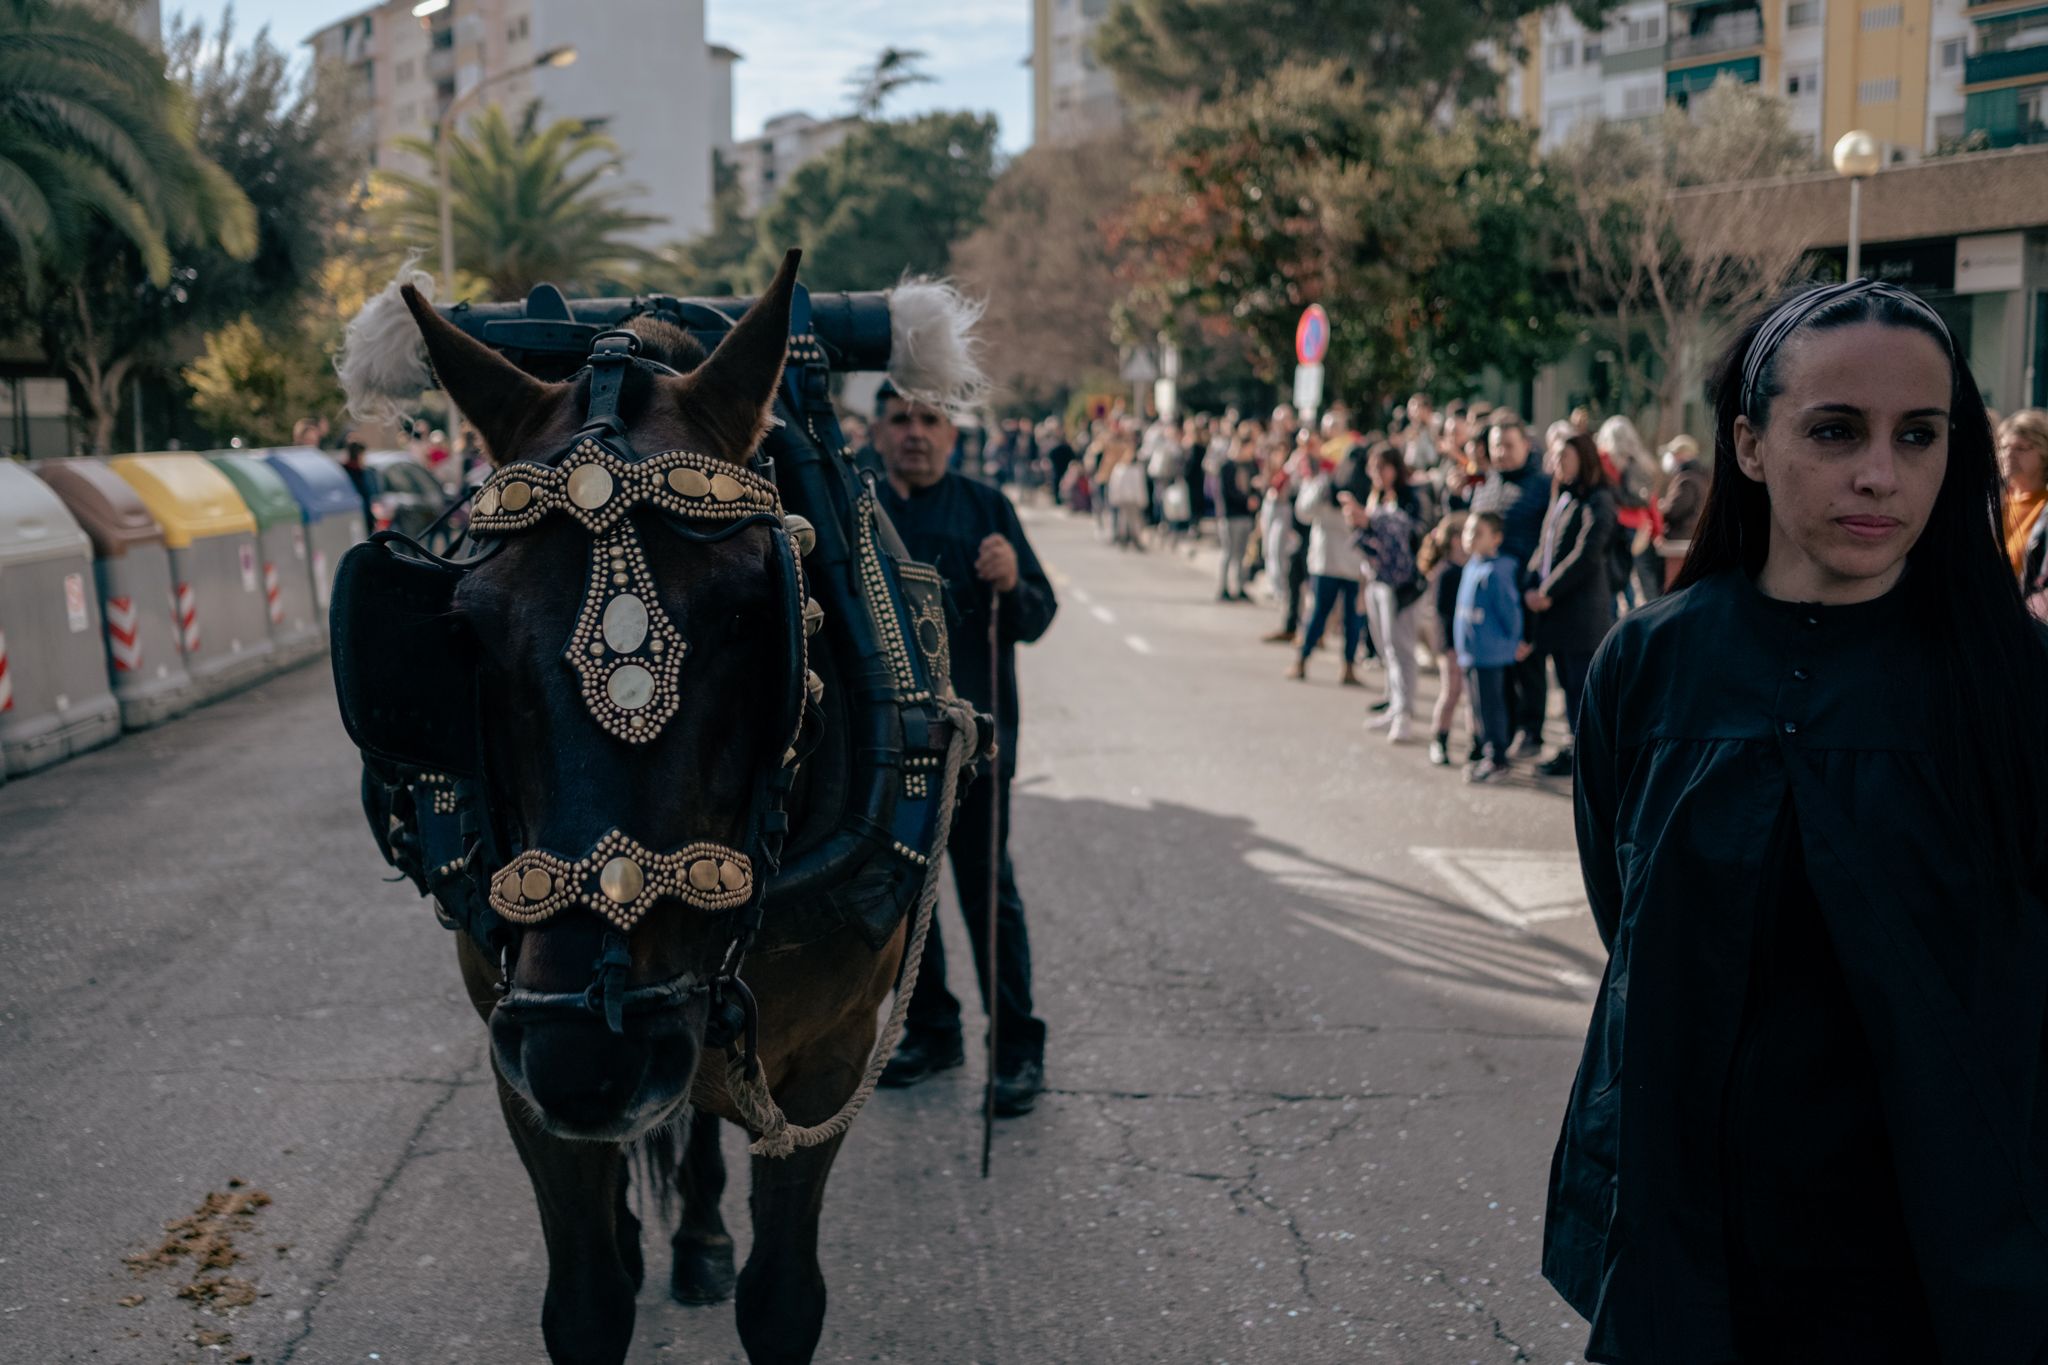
[
  {"x": 782, "y": 1290},
  {"x": 703, "y": 1270},
  {"x": 629, "y": 1230},
  {"x": 587, "y": 1316}
]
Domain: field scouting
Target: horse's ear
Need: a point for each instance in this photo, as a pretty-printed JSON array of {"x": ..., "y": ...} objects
[
  {"x": 734, "y": 391},
  {"x": 494, "y": 394}
]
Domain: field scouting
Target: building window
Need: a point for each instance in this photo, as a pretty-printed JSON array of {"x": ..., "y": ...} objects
[
  {"x": 1638, "y": 101},
  {"x": 1885, "y": 91},
  {"x": 1952, "y": 53},
  {"x": 1560, "y": 56},
  {"x": 516, "y": 31},
  {"x": 1802, "y": 81},
  {"x": 1802, "y": 13},
  {"x": 403, "y": 71},
  {"x": 1878, "y": 17},
  {"x": 1592, "y": 52}
]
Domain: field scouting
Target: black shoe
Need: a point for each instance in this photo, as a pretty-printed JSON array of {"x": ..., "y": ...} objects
[
  {"x": 1018, "y": 1085},
  {"x": 919, "y": 1057},
  {"x": 1379, "y": 707},
  {"x": 1558, "y": 764},
  {"x": 1476, "y": 752}
]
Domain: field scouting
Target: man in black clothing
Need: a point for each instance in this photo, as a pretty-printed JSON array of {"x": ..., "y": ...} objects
[
  {"x": 970, "y": 533},
  {"x": 1059, "y": 455}
]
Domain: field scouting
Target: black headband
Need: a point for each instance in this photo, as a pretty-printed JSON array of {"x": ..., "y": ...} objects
[{"x": 1795, "y": 312}]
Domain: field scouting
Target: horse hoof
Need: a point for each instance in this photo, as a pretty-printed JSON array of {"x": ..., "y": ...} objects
[{"x": 703, "y": 1272}]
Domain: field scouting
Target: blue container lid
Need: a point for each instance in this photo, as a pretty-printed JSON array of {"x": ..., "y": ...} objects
[{"x": 318, "y": 481}]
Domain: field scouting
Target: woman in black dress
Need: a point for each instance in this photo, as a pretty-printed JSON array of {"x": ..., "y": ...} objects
[{"x": 1811, "y": 1120}]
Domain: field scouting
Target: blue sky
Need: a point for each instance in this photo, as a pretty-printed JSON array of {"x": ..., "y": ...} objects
[{"x": 798, "y": 52}]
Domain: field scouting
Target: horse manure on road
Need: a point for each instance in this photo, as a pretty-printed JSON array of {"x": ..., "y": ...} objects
[{"x": 202, "y": 1243}]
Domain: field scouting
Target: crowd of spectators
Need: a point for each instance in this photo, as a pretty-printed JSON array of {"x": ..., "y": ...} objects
[{"x": 1448, "y": 539}]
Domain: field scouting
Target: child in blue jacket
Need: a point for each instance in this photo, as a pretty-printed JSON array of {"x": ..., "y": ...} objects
[{"x": 1487, "y": 633}]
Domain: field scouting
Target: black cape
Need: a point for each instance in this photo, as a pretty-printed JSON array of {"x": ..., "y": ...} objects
[{"x": 1719, "y": 727}]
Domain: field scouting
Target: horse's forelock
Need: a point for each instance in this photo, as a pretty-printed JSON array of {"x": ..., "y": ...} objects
[{"x": 667, "y": 343}]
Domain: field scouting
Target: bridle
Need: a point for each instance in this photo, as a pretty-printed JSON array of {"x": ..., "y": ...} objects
[{"x": 630, "y": 660}]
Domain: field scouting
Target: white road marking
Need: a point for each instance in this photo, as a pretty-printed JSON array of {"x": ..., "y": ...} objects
[
  {"x": 1139, "y": 644},
  {"x": 1103, "y": 614},
  {"x": 1081, "y": 595},
  {"x": 1517, "y": 887}
]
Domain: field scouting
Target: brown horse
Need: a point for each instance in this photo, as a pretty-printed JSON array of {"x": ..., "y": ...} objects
[{"x": 577, "y": 1095}]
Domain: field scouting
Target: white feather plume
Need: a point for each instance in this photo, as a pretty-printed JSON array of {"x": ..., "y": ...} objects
[
  {"x": 934, "y": 355},
  {"x": 383, "y": 358}
]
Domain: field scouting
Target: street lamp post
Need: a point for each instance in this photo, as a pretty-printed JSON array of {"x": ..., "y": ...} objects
[
  {"x": 1857, "y": 155},
  {"x": 445, "y": 130}
]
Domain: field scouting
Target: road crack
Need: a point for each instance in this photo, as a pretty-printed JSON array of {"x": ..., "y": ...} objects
[{"x": 360, "y": 1225}]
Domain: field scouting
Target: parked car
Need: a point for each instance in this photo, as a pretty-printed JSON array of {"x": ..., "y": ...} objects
[{"x": 404, "y": 496}]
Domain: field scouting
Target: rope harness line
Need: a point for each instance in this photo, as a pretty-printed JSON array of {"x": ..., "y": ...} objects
[{"x": 778, "y": 1137}]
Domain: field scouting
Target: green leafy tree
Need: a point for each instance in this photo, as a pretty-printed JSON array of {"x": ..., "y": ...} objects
[
  {"x": 533, "y": 202},
  {"x": 893, "y": 197},
  {"x": 285, "y": 138},
  {"x": 1170, "y": 51},
  {"x": 1427, "y": 242},
  {"x": 254, "y": 382},
  {"x": 91, "y": 133}
]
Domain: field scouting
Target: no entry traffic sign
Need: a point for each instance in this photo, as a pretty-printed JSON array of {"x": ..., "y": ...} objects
[{"x": 1312, "y": 335}]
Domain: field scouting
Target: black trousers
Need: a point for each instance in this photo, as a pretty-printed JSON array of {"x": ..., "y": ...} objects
[
  {"x": 1297, "y": 579},
  {"x": 1528, "y": 695},
  {"x": 934, "y": 1009}
]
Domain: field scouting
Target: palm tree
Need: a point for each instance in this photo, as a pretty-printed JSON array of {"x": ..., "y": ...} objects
[
  {"x": 92, "y": 131},
  {"x": 892, "y": 70},
  {"x": 530, "y": 204}
]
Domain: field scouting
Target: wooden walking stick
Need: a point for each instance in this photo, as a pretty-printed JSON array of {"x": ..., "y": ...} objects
[{"x": 995, "y": 852}]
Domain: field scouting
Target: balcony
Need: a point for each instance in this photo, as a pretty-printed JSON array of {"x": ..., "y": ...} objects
[
  {"x": 1987, "y": 67},
  {"x": 1728, "y": 35}
]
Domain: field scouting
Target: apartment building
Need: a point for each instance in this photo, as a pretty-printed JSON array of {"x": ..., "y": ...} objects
[
  {"x": 1073, "y": 97},
  {"x": 1918, "y": 74},
  {"x": 645, "y": 74},
  {"x": 767, "y": 161}
]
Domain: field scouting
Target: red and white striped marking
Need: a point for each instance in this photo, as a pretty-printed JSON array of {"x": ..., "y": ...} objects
[
  {"x": 6, "y": 678},
  {"x": 272, "y": 591},
  {"x": 186, "y": 613},
  {"x": 124, "y": 634}
]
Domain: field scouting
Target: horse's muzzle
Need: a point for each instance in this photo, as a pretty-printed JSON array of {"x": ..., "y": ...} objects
[{"x": 586, "y": 1081}]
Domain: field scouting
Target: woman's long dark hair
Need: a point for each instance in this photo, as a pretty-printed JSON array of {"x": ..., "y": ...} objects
[
  {"x": 1960, "y": 590},
  {"x": 1591, "y": 474}
]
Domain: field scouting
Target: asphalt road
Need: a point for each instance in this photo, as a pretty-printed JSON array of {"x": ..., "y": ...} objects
[{"x": 1314, "y": 1009}]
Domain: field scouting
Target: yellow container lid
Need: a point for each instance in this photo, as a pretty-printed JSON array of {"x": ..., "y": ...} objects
[{"x": 188, "y": 497}]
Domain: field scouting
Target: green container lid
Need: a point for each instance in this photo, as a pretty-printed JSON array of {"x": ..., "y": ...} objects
[{"x": 260, "y": 487}]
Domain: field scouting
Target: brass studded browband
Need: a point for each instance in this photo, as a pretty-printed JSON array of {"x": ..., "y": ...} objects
[{"x": 624, "y": 648}]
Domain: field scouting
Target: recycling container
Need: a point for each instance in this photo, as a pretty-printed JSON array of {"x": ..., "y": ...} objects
[
  {"x": 333, "y": 510},
  {"x": 216, "y": 580},
  {"x": 281, "y": 537},
  {"x": 133, "y": 573},
  {"x": 54, "y": 696}
]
